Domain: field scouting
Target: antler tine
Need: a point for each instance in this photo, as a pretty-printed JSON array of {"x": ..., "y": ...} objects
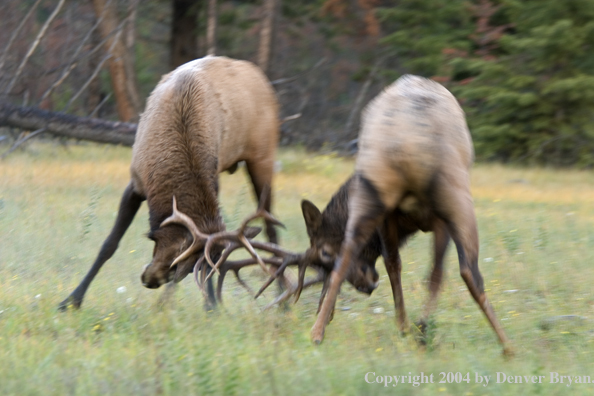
[
  {"x": 286, "y": 262},
  {"x": 251, "y": 250},
  {"x": 273, "y": 248},
  {"x": 260, "y": 213},
  {"x": 281, "y": 298},
  {"x": 242, "y": 283},
  {"x": 178, "y": 217},
  {"x": 199, "y": 283},
  {"x": 301, "y": 278},
  {"x": 214, "y": 238},
  {"x": 235, "y": 266},
  {"x": 226, "y": 253},
  {"x": 286, "y": 294},
  {"x": 237, "y": 238}
]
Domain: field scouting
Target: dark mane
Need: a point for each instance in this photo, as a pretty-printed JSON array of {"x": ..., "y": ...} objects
[{"x": 188, "y": 169}]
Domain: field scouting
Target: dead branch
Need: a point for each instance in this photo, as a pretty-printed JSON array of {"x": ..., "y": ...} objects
[
  {"x": 96, "y": 109},
  {"x": 34, "y": 46},
  {"x": 22, "y": 140},
  {"x": 290, "y": 118},
  {"x": 86, "y": 84},
  {"x": 73, "y": 60},
  {"x": 16, "y": 33},
  {"x": 297, "y": 76}
]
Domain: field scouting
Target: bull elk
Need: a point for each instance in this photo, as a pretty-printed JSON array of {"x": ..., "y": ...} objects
[
  {"x": 200, "y": 120},
  {"x": 412, "y": 173}
]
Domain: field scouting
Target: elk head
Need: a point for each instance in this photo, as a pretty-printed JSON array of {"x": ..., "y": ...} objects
[
  {"x": 179, "y": 245},
  {"x": 326, "y": 233}
]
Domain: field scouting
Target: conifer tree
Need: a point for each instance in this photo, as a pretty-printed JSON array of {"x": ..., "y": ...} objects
[{"x": 534, "y": 101}]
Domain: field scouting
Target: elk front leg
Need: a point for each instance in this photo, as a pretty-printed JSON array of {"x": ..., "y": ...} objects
[
  {"x": 366, "y": 212},
  {"x": 323, "y": 296},
  {"x": 129, "y": 205},
  {"x": 390, "y": 243},
  {"x": 441, "y": 239}
]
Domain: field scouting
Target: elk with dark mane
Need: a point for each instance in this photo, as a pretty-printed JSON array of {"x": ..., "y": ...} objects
[{"x": 202, "y": 119}]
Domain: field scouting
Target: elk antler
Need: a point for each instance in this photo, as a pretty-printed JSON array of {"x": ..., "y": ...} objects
[
  {"x": 237, "y": 238},
  {"x": 198, "y": 238},
  {"x": 233, "y": 240},
  {"x": 235, "y": 266}
]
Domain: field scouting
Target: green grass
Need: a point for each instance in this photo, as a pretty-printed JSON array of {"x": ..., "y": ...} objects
[{"x": 57, "y": 205}]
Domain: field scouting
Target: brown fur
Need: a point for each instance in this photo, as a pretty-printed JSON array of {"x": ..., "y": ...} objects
[
  {"x": 210, "y": 114},
  {"x": 326, "y": 232},
  {"x": 201, "y": 119},
  {"x": 412, "y": 172}
]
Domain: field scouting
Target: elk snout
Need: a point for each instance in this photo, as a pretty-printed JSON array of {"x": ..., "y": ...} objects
[
  {"x": 365, "y": 279},
  {"x": 151, "y": 279}
]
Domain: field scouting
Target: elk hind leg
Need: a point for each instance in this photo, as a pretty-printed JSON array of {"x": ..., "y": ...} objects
[
  {"x": 129, "y": 205},
  {"x": 261, "y": 173},
  {"x": 441, "y": 239},
  {"x": 459, "y": 215}
]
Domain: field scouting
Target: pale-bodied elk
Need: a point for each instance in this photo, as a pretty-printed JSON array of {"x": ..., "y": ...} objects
[
  {"x": 412, "y": 173},
  {"x": 201, "y": 119}
]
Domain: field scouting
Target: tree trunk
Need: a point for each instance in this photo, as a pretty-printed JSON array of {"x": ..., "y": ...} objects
[
  {"x": 265, "y": 50},
  {"x": 129, "y": 40},
  {"x": 127, "y": 99},
  {"x": 211, "y": 29},
  {"x": 61, "y": 124},
  {"x": 94, "y": 93},
  {"x": 184, "y": 32}
]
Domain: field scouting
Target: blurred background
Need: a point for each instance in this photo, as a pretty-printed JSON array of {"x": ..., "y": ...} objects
[
  {"x": 72, "y": 70},
  {"x": 523, "y": 70}
]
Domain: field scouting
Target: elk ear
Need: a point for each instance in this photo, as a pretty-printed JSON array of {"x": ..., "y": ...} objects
[{"x": 311, "y": 215}]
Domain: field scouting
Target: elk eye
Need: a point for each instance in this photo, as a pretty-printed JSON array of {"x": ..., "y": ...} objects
[{"x": 326, "y": 254}]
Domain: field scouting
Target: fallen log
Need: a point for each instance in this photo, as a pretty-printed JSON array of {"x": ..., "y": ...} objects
[{"x": 62, "y": 124}]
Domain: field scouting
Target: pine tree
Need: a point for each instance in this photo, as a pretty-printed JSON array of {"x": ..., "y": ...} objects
[
  {"x": 534, "y": 100},
  {"x": 419, "y": 31}
]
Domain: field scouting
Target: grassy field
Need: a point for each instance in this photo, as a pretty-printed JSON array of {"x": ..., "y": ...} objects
[{"x": 58, "y": 204}]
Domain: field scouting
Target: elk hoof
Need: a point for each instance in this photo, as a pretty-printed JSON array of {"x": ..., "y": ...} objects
[
  {"x": 317, "y": 336},
  {"x": 422, "y": 326},
  {"x": 424, "y": 332},
  {"x": 508, "y": 352},
  {"x": 69, "y": 303}
]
